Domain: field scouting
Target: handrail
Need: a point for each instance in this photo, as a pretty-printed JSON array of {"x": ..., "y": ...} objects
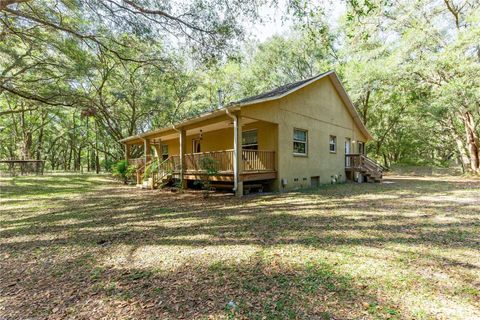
[
  {"x": 252, "y": 160},
  {"x": 360, "y": 161},
  {"x": 137, "y": 161},
  {"x": 374, "y": 162},
  {"x": 258, "y": 160}
]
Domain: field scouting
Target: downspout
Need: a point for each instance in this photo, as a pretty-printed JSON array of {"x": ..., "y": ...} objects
[
  {"x": 235, "y": 148},
  {"x": 180, "y": 151},
  {"x": 144, "y": 149},
  {"x": 175, "y": 128}
]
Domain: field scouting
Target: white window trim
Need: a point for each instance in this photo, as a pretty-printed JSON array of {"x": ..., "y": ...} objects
[
  {"x": 329, "y": 143},
  {"x": 363, "y": 147},
  {"x": 306, "y": 143},
  {"x": 162, "y": 149},
  {"x": 252, "y": 144}
]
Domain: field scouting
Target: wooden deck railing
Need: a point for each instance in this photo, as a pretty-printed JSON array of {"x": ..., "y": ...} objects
[
  {"x": 253, "y": 160},
  {"x": 222, "y": 160},
  {"x": 258, "y": 160},
  {"x": 360, "y": 161},
  {"x": 137, "y": 162}
]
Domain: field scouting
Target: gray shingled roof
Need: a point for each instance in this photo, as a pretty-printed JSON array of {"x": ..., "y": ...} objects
[{"x": 280, "y": 90}]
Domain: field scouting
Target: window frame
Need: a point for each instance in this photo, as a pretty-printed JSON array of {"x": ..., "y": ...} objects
[
  {"x": 196, "y": 144},
  {"x": 362, "y": 144},
  {"x": 334, "y": 143},
  {"x": 164, "y": 155},
  {"x": 298, "y": 154},
  {"x": 249, "y": 146}
]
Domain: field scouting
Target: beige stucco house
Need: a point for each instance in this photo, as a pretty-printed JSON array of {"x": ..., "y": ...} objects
[{"x": 299, "y": 135}]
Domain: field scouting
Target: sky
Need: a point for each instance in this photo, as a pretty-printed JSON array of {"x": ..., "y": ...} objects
[{"x": 274, "y": 24}]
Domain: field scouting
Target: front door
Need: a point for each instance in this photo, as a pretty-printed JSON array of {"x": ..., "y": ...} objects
[
  {"x": 348, "y": 143},
  {"x": 196, "y": 146}
]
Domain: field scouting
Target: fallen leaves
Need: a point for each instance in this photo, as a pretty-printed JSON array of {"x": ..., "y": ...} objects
[{"x": 388, "y": 251}]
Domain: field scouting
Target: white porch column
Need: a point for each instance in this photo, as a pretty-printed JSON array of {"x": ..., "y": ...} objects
[
  {"x": 183, "y": 144},
  {"x": 237, "y": 144},
  {"x": 158, "y": 150},
  {"x": 147, "y": 150}
]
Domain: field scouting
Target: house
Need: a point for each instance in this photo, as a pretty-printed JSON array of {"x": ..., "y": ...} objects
[{"x": 299, "y": 135}]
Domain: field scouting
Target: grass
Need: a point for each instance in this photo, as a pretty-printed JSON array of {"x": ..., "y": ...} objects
[{"x": 87, "y": 247}]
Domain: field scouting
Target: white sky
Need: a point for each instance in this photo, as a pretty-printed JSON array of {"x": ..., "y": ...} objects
[{"x": 273, "y": 23}]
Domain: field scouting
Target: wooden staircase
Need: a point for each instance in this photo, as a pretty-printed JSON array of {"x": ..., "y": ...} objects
[
  {"x": 164, "y": 173},
  {"x": 159, "y": 175},
  {"x": 370, "y": 170}
]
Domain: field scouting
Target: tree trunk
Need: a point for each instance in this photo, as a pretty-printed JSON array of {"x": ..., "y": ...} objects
[
  {"x": 462, "y": 154},
  {"x": 365, "y": 107},
  {"x": 385, "y": 160},
  {"x": 97, "y": 160},
  {"x": 70, "y": 155},
  {"x": 27, "y": 138},
  {"x": 471, "y": 142},
  {"x": 39, "y": 149}
]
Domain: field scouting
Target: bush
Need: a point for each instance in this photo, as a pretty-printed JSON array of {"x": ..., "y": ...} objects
[
  {"x": 209, "y": 168},
  {"x": 151, "y": 168},
  {"x": 108, "y": 165},
  {"x": 123, "y": 171}
]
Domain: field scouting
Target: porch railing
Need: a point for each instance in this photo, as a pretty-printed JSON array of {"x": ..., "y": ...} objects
[
  {"x": 252, "y": 160},
  {"x": 258, "y": 160},
  {"x": 222, "y": 160},
  {"x": 360, "y": 161},
  {"x": 137, "y": 162}
]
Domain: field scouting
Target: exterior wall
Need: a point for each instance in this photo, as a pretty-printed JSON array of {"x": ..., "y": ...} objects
[
  {"x": 318, "y": 109},
  {"x": 173, "y": 146},
  {"x": 213, "y": 140},
  {"x": 223, "y": 139},
  {"x": 267, "y": 134}
]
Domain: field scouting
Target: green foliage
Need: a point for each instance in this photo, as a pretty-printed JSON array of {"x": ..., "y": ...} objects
[
  {"x": 209, "y": 167},
  {"x": 150, "y": 169},
  {"x": 108, "y": 164},
  {"x": 123, "y": 171},
  {"x": 411, "y": 70}
]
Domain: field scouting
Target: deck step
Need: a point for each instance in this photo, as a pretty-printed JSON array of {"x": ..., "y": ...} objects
[{"x": 371, "y": 170}]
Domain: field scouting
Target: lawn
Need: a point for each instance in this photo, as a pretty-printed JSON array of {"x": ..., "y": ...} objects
[{"x": 88, "y": 247}]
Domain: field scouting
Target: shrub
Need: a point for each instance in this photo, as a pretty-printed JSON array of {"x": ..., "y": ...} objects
[
  {"x": 108, "y": 165},
  {"x": 151, "y": 168},
  {"x": 123, "y": 171},
  {"x": 209, "y": 168}
]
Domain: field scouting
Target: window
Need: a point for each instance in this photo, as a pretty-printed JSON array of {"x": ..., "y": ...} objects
[
  {"x": 250, "y": 140},
  {"x": 361, "y": 147},
  {"x": 164, "y": 152},
  {"x": 300, "y": 142},
  {"x": 333, "y": 144},
  {"x": 196, "y": 146}
]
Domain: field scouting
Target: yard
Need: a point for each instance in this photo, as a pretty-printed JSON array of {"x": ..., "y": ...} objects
[{"x": 87, "y": 247}]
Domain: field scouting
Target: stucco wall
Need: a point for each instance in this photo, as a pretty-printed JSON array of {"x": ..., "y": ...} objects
[
  {"x": 318, "y": 109},
  {"x": 223, "y": 139}
]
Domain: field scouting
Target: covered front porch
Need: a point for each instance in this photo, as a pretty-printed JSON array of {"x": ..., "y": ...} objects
[{"x": 240, "y": 150}]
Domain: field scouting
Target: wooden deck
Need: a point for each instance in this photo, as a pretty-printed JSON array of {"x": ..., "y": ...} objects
[
  {"x": 256, "y": 165},
  {"x": 359, "y": 163}
]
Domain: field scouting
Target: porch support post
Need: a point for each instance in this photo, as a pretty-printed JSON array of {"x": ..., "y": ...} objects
[
  {"x": 158, "y": 150},
  {"x": 183, "y": 143},
  {"x": 147, "y": 150},
  {"x": 237, "y": 143},
  {"x": 127, "y": 152}
]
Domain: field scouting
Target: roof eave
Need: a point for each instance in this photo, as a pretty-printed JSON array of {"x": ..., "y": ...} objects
[
  {"x": 354, "y": 113},
  {"x": 286, "y": 93},
  {"x": 205, "y": 116}
]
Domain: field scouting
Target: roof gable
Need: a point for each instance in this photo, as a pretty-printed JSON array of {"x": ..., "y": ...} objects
[
  {"x": 285, "y": 90},
  {"x": 274, "y": 94},
  {"x": 281, "y": 91}
]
